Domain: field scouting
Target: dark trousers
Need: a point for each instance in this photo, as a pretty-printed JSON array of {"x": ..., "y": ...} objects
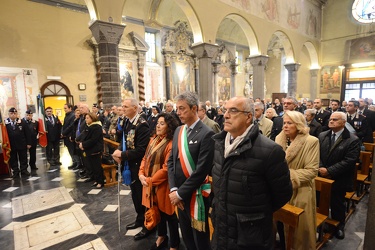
[
  {"x": 53, "y": 151},
  {"x": 193, "y": 239},
  {"x": 87, "y": 165},
  {"x": 18, "y": 155},
  {"x": 338, "y": 208},
  {"x": 32, "y": 157},
  {"x": 173, "y": 228},
  {"x": 71, "y": 149},
  {"x": 96, "y": 165},
  {"x": 136, "y": 188}
]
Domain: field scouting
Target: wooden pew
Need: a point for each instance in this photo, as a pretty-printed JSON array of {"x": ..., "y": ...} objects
[
  {"x": 370, "y": 147},
  {"x": 289, "y": 215},
  {"x": 350, "y": 197},
  {"x": 363, "y": 173},
  {"x": 110, "y": 170},
  {"x": 323, "y": 186}
]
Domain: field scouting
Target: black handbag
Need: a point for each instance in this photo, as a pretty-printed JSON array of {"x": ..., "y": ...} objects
[{"x": 107, "y": 159}]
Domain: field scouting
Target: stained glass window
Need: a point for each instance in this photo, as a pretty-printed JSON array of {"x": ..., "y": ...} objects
[{"x": 364, "y": 11}]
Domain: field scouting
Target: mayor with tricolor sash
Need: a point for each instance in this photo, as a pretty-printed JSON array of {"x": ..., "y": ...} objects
[{"x": 189, "y": 165}]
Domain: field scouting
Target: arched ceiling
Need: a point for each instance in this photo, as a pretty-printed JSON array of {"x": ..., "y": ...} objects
[{"x": 230, "y": 31}]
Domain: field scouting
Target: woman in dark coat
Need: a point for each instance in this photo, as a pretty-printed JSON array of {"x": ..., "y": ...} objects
[{"x": 91, "y": 142}]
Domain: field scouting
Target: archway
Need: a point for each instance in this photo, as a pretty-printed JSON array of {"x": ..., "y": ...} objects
[
  {"x": 55, "y": 94},
  {"x": 314, "y": 61}
]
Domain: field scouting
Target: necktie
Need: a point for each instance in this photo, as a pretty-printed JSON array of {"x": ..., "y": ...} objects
[
  {"x": 189, "y": 131},
  {"x": 51, "y": 120},
  {"x": 350, "y": 117},
  {"x": 256, "y": 121},
  {"x": 333, "y": 139}
]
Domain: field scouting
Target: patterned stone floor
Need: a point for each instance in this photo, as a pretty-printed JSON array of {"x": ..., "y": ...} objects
[{"x": 54, "y": 209}]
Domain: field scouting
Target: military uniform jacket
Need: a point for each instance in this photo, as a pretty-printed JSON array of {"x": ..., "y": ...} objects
[
  {"x": 19, "y": 134},
  {"x": 137, "y": 137},
  {"x": 361, "y": 127},
  {"x": 322, "y": 116},
  {"x": 33, "y": 127}
]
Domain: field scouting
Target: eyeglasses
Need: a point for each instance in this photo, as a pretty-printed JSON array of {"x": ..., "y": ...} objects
[
  {"x": 233, "y": 111},
  {"x": 288, "y": 103}
]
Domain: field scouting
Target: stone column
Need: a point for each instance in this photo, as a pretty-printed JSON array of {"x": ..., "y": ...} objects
[
  {"x": 205, "y": 52},
  {"x": 108, "y": 36},
  {"x": 167, "y": 67},
  {"x": 233, "y": 73},
  {"x": 196, "y": 73},
  {"x": 215, "y": 70},
  {"x": 292, "y": 77},
  {"x": 141, "y": 81},
  {"x": 258, "y": 63},
  {"x": 313, "y": 83}
]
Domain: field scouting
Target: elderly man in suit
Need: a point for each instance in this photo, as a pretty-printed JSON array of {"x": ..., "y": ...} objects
[
  {"x": 315, "y": 127},
  {"x": 189, "y": 164},
  {"x": 339, "y": 151},
  {"x": 206, "y": 120},
  {"x": 265, "y": 125}
]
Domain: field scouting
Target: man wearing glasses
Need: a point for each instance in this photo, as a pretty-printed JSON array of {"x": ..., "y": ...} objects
[
  {"x": 250, "y": 181},
  {"x": 20, "y": 140},
  {"x": 339, "y": 151}
]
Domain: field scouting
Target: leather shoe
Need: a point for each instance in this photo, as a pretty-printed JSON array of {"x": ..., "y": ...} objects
[
  {"x": 25, "y": 173},
  {"x": 142, "y": 234},
  {"x": 133, "y": 225},
  {"x": 162, "y": 245},
  {"x": 340, "y": 234},
  {"x": 15, "y": 175}
]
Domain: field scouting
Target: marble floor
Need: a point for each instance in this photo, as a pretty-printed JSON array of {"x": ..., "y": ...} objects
[{"x": 55, "y": 209}]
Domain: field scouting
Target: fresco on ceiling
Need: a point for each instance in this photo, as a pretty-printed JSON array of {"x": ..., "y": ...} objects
[{"x": 302, "y": 16}]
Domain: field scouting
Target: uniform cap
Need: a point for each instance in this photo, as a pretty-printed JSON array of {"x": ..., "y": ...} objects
[{"x": 13, "y": 110}]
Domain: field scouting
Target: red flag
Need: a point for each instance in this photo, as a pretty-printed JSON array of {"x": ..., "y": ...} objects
[
  {"x": 5, "y": 143},
  {"x": 42, "y": 126}
]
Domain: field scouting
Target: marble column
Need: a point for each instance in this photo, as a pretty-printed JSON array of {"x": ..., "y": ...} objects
[
  {"x": 215, "y": 70},
  {"x": 292, "y": 77},
  {"x": 205, "y": 52},
  {"x": 233, "y": 73},
  {"x": 313, "y": 83},
  {"x": 258, "y": 63},
  {"x": 108, "y": 36}
]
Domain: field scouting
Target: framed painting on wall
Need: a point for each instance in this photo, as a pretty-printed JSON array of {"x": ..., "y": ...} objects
[
  {"x": 330, "y": 79},
  {"x": 181, "y": 77},
  {"x": 128, "y": 79}
]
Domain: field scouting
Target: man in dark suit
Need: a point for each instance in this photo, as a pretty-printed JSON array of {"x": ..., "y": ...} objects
[
  {"x": 359, "y": 122},
  {"x": 53, "y": 128},
  {"x": 66, "y": 134},
  {"x": 33, "y": 128},
  {"x": 20, "y": 141},
  {"x": 169, "y": 109},
  {"x": 322, "y": 115},
  {"x": 339, "y": 151},
  {"x": 136, "y": 135},
  {"x": 210, "y": 111},
  {"x": 315, "y": 127},
  {"x": 369, "y": 114},
  {"x": 188, "y": 167}
]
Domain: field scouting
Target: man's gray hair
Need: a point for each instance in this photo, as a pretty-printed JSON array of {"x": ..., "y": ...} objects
[
  {"x": 259, "y": 105},
  {"x": 248, "y": 106},
  {"x": 191, "y": 98},
  {"x": 133, "y": 101},
  {"x": 342, "y": 114},
  {"x": 202, "y": 105},
  {"x": 311, "y": 111},
  {"x": 292, "y": 98}
]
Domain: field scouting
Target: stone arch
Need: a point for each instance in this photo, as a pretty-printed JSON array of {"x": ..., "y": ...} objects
[
  {"x": 193, "y": 20},
  {"x": 314, "y": 60},
  {"x": 288, "y": 49},
  {"x": 249, "y": 33}
]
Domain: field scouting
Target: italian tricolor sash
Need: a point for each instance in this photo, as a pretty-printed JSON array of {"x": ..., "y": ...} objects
[{"x": 197, "y": 209}]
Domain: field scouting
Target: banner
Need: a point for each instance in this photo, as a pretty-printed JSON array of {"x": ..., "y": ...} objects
[{"x": 42, "y": 127}]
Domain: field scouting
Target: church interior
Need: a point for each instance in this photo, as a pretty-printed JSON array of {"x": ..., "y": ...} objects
[{"x": 91, "y": 51}]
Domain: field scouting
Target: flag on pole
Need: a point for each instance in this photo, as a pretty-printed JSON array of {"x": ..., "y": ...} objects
[
  {"x": 42, "y": 126},
  {"x": 5, "y": 143}
]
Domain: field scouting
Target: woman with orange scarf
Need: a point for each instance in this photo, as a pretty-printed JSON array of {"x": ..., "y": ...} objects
[{"x": 153, "y": 174}]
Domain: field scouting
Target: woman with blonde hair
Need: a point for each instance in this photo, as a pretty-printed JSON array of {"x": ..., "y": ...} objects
[{"x": 302, "y": 155}]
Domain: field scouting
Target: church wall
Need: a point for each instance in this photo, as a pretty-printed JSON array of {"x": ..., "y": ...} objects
[{"x": 49, "y": 39}]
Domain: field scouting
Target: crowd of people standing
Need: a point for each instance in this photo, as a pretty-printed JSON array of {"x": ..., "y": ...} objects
[{"x": 261, "y": 155}]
